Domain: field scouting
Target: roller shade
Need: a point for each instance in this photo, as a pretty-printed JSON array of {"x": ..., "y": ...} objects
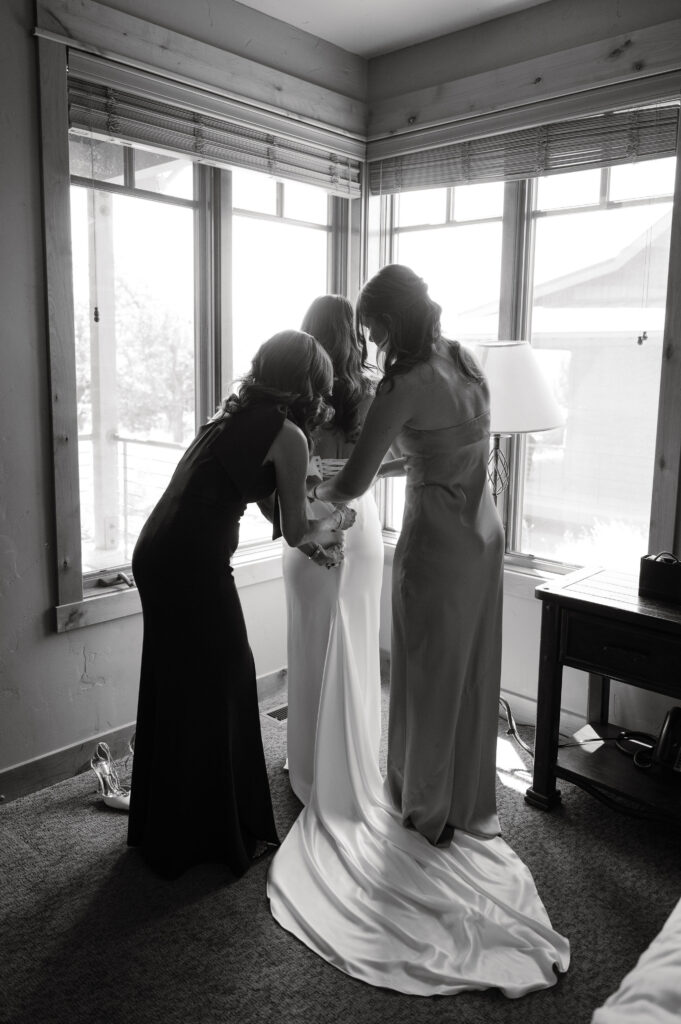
[
  {"x": 111, "y": 113},
  {"x": 596, "y": 141}
]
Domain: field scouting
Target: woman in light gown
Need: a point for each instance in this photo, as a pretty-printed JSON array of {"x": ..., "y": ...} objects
[
  {"x": 312, "y": 595},
  {"x": 407, "y": 884}
]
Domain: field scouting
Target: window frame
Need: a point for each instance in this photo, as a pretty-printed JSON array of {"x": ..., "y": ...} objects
[
  {"x": 518, "y": 229},
  {"x": 79, "y": 601}
]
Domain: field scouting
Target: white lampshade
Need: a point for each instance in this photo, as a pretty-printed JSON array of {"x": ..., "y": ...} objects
[{"x": 521, "y": 401}]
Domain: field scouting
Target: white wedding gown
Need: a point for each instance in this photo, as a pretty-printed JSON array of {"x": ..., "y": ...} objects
[{"x": 372, "y": 897}]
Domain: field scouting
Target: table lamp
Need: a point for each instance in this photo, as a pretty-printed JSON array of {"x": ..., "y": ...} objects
[{"x": 521, "y": 401}]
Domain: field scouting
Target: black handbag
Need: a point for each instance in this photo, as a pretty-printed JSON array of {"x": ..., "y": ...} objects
[{"x": 660, "y": 577}]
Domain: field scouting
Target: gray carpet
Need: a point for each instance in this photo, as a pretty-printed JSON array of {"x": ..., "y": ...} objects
[{"x": 90, "y": 936}]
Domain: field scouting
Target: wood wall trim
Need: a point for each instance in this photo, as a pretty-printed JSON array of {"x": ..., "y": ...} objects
[
  {"x": 665, "y": 517},
  {"x": 59, "y": 290},
  {"x": 108, "y": 33},
  {"x": 32, "y": 776},
  {"x": 641, "y": 53},
  {"x": 252, "y": 565},
  {"x": 41, "y": 772},
  {"x": 530, "y": 115}
]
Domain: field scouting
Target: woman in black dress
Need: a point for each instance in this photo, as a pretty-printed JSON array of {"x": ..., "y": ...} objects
[{"x": 199, "y": 784}]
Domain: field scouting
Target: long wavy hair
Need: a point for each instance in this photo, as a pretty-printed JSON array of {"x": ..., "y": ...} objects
[
  {"x": 398, "y": 299},
  {"x": 330, "y": 319},
  {"x": 292, "y": 371}
]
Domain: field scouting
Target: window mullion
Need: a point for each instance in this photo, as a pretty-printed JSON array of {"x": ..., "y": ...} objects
[
  {"x": 513, "y": 305},
  {"x": 337, "y": 250},
  {"x": 224, "y": 339},
  {"x": 665, "y": 513},
  {"x": 207, "y": 314},
  {"x": 387, "y": 230},
  {"x": 356, "y": 255},
  {"x": 526, "y": 228},
  {"x": 128, "y": 167},
  {"x": 386, "y": 255},
  {"x": 450, "y": 214}
]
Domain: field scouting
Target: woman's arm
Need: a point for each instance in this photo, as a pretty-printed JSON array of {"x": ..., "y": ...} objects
[
  {"x": 389, "y": 411},
  {"x": 392, "y": 467},
  {"x": 289, "y": 454}
]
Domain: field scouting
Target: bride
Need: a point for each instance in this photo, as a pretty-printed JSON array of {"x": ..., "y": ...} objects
[
  {"x": 311, "y": 595},
  {"x": 407, "y": 884}
]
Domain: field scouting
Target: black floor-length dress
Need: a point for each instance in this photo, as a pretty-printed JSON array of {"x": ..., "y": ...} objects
[{"x": 199, "y": 782}]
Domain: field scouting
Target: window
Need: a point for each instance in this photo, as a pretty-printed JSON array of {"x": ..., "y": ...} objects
[
  {"x": 280, "y": 240},
  {"x": 598, "y": 294},
  {"x": 165, "y": 230},
  {"x": 577, "y": 262},
  {"x": 134, "y": 321},
  {"x": 134, "y": 326}
]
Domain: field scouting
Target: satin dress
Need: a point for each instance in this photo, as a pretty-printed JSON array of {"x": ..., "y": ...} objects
[
  {"x": 312, "y": 594},
  {"x": 374, "y": 898},
  {"x": 445, "y": 665}
]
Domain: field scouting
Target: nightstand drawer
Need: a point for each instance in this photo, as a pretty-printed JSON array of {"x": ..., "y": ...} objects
[{"x": 636, "y": 653}]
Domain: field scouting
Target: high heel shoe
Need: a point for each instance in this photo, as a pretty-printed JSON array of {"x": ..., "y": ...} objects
[{"x": 110, "y": 789}]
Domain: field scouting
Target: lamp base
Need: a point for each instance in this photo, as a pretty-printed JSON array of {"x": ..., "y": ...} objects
[{"x": 497, "y": 469}]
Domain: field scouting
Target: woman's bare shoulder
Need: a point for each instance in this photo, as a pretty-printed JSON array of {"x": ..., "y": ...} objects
[
  {"x": 290, "y": 441},
  {"x": 291, "y": 434}
]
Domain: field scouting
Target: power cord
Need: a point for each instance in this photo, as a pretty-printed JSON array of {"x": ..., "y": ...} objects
[
  {"x": 513, "y": 728},
  {"x": 636, "y": 745},
  {"x": 635, "y": 738}
]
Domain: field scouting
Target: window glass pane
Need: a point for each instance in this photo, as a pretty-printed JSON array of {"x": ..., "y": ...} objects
[
  {"x": 474, "y": 201},
  {"x": 253, "y": 191},
  {"x": 462, "y": 267},
  {"x": 305, "y": 202},
  {"x": 133, "y": 260},
  {"x": 639, "y": 181},
  {"x": 395, "y": 502},
  {"x": 278, "y": 269},
  {"x": 163, "y": 173},
  {"x": 102, "y": 161},
  {"x": 427, "y": 206},
  {"x": 578, "y": 188},
  {"x": 599, "y": 286}
]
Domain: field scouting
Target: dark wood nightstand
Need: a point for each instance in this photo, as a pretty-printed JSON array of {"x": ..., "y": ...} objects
[{"x": 595, "y": 621}]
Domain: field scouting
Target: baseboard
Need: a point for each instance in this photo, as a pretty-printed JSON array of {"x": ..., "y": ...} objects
[
  {"x": 524, "y": 711},
  {"x": 31, "y": 776},
  {"x": 271, "y": 683},
  {"x": 45, "y": 771}
]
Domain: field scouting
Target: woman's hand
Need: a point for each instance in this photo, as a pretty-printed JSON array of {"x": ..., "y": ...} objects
[
  {"x": 328, "y": 558},
  {"x": 326, "y": 532},
  {"x": 345, "y": 516}
]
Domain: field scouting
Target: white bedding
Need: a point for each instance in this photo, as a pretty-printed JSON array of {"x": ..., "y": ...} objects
[{"x": 651, "y": 992}]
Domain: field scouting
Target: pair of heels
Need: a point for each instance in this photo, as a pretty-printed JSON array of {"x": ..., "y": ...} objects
[{"x": 110, "y": 789}]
